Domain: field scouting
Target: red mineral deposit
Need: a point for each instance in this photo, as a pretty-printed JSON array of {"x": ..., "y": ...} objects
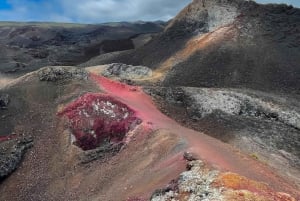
[{"x": 98, "y": 118}]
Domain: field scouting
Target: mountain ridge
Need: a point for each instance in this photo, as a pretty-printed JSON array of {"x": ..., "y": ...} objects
[
  {"x": 29, "y": 46},
  {"x": 238, "y": 60}
]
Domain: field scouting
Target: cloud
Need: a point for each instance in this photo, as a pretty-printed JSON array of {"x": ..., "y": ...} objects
[
  {"x": 97, "y": 11},
  {"x": 29, "y": 10},
  {"x": 123, "y": 10},
  {"x": 295, "y": 3},
  {"x": 91, "y": 11}
]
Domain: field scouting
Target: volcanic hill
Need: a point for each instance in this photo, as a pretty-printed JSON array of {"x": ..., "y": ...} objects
[
  {"x": 206, "y": 109},
  {"x": 225, "y": 43}
]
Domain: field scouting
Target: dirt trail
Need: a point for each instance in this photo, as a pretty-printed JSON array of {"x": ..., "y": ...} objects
[{"x": 217, "y": 154}]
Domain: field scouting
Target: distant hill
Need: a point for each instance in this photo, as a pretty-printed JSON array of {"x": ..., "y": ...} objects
[{"x": 25, "y": 47}]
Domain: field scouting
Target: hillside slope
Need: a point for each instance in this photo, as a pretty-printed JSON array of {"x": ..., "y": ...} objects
[
  {"x": 98, "y": 139},
  {"x": 223, "y": 43}
]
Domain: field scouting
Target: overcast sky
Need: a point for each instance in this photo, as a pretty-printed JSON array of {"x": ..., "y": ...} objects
[{"x": 97, "y": 11}]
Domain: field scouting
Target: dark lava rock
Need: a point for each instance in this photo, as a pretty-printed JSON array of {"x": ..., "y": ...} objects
[
  {"x": 4, "y": 101},
  {"x": 53, "y": 74},
  {"x": 11, "y": 154},
  {"x": 100, "y": 153},
  {"x": 189, "y": 156},
  {"x": 127, "y": 71},
  {"x": 173, "y": 95}
]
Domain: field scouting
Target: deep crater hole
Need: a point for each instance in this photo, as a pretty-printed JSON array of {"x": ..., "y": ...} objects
[{"x": 97, "y": 119}]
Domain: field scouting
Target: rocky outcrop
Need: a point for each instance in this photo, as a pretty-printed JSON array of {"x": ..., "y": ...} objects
[
  {"x": 53, "y": 74},
  {"x": 11, "y": 154},
  {"x": 105, "y": 151},
  {"x": 208, "y": 101},
  {"x": 200, "y": 183},
  {"x": 4, "y": 100},
  {"x": 129, "y": 72},
  {"x": 203, "y": 16},
  {"x": 194, "y": 184}
]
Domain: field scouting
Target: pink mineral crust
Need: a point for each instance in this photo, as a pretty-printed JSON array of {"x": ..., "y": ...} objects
[
  {"x": 7, "y": 137},
  {"x": 98, "y": 118},
  {"x": 214, "y": 152},
  {"x": 134, "y": 97}
]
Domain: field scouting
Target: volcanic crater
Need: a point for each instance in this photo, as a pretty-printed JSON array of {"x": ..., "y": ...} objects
[{"x": 98, "y": 119}]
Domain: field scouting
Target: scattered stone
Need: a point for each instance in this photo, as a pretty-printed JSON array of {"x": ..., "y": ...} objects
[
  {"x": 127, "y": 72},
  {"x": 52, "y": 74},
  {"x": 11, "y": 154},
  {"x": 4, "y": 101},
  {"x": 189, "y": 156}
]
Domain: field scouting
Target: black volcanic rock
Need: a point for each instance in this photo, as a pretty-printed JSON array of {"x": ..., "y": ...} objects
[
  {"x": 11, "y": 154},
  {"x": 56, "y": 73},
  {"x": 4, "y": 100}
]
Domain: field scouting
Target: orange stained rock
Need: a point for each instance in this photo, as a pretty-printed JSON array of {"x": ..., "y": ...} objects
[
  {"x": 192, "y": 46},
  {"x": 241, "y": 188}
]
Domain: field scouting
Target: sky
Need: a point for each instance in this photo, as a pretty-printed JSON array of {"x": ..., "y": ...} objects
[{"x": 97, "y": 11}]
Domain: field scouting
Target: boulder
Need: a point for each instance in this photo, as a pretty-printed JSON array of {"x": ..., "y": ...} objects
[
  {"x": 4, "y": 101},
  {"x": 56, "y": 73},
  {"x": 124, "y": 71}
]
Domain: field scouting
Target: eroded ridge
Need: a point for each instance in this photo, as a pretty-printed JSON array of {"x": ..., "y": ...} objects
[{"x": 97, "y": 119}]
